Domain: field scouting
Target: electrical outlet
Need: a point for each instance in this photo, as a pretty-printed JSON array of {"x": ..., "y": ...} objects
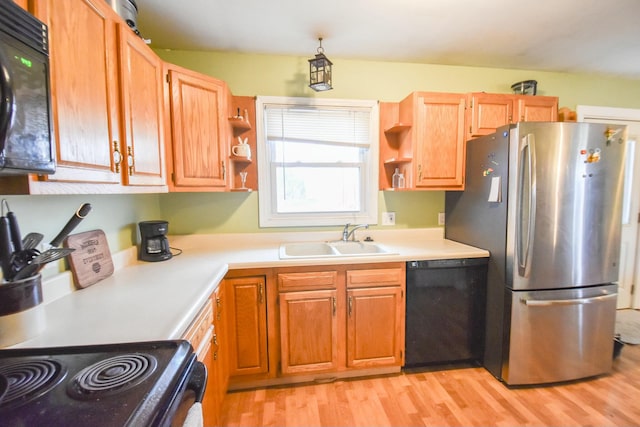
[
  {"x": 388, "y": 218},
  {"x": 440, "y": 218}
]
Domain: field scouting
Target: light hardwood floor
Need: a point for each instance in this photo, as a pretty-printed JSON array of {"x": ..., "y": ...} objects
[{"x": 455, "y": 397}]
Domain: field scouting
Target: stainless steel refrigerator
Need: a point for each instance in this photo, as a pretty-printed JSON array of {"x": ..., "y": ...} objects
[{"x": 545, "y": 200}]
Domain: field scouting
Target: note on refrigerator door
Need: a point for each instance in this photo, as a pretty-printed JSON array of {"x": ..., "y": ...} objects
[{"x": 494, "y": 191}]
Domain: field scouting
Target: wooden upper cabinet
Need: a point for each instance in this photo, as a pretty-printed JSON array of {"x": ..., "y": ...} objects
[
  {"x": 425, "y": 134},
  {"x": 84, "y": 85},
  {"x": 199, "y": 126},
  {"x": 142, "y": 111},
  {"x": 536, "y": 108},
  {"x": 435, "y": 140},
  {"x": 489, "y": 111},
  {"x": 107, "y": 105}
]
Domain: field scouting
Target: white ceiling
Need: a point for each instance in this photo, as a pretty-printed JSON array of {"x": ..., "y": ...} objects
[{"x": 592, "y": 36}]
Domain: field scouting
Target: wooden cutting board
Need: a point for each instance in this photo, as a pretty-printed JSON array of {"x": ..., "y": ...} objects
[{"x": 91, "y": 261}]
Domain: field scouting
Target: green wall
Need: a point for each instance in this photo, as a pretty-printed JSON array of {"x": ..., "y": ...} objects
[
  {"x": 284, "y": 75},
  {"x": 386, "y": 81},
  {"x": 392, "y": 81},
  {"x": 117, "y": 215}
]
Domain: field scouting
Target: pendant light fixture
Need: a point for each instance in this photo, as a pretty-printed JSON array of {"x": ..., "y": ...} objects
[{"x": 320, "y": 71}]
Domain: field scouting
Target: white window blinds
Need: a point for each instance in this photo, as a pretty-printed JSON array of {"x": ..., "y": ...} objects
[{"x": 336, "y": 126}]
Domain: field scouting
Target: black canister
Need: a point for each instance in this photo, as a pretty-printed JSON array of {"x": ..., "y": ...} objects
[{"x": 20, "y": 295}]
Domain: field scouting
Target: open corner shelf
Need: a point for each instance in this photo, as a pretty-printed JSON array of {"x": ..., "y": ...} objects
[
  {"x": 239, "y": 159},
  {"x": 239, "y": 123},
  {"x": 398, "y": 161},
  {"x": 397, "y": 128}
]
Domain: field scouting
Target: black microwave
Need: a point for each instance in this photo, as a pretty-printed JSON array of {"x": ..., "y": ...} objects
[{"x": 26, "y": 134}]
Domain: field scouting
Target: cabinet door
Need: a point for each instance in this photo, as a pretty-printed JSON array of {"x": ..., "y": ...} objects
[
  {"x": 201, "y": 336},
  {"x": 84, "y": 86},
  {"x": 247, "y": 327},
  {"x": 537, "y": 109},
  {"x": 439, "y": 141},
  {"x": 375, "y": 327},
  {"x": 218, "y": 378},
  {"x": 142, "y": 111},
  {"x": 199, "y": 131},
  {"x": 488, "y": 111},
  {"x": 308, "y": 331}
]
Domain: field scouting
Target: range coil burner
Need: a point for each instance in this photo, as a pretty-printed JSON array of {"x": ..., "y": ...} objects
[
  {"x": 132, "y": 384},
  {"x": 27, "y": 380},
  {"x": 111, "y": 376}
]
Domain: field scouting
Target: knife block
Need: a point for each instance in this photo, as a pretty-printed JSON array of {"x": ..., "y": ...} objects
[{"x": 21, "y": 310}]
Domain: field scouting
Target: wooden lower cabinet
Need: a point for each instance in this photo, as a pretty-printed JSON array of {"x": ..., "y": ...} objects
[
  {"x": 375, "y": 327},
  {"x": 297, "y": 324},
  {"x": 221, "y": 343},
  {"x": 207, "y": 335},
  {"x": 355, "y": 321},
  {"x": 308, "y": 331},
  {"x": 247, "y": 327},
  {"x": 218, "y": 380},
  {"x": 201, "y": 336}
]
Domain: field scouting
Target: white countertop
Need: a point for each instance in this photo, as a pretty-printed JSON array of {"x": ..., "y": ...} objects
[{"x": 145, "y": 301}]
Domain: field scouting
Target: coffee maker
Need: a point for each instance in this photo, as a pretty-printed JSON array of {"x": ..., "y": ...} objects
[{"x": 154, "y": 245}]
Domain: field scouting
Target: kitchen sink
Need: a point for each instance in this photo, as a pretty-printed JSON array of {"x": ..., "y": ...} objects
[
  {"x": 358, "y": 248},
  {"x": 309, "y": 249},
  {"x": 330, "y": 249}
]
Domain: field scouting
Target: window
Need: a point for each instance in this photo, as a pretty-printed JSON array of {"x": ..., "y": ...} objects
[{"x": 317, "y": 161}]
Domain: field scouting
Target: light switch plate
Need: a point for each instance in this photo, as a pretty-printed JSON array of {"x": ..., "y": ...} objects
[
  {"x": 440, "y": 218},
  {"x": 388, "y": 218}
]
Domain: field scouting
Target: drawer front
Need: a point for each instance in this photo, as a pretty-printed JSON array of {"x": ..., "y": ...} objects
[
  {"x": 200, "y": 332},
  {"x": 307, "y": 281},
  {"x": 375, "y": 277}
]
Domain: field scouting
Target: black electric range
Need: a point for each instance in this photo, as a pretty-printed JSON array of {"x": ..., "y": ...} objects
[{"x": 129, "y": 384}]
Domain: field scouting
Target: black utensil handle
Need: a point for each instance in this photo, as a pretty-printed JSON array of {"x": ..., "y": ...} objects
[
  {"x": 27, "y": 271},
  {"x": 5, "y": 247},
  {"x": 78, "y": 216},
  {"x": 16, "y": 237}
]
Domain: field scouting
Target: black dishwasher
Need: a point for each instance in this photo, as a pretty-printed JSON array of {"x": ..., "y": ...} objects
[{"x": 445, "y": 316}]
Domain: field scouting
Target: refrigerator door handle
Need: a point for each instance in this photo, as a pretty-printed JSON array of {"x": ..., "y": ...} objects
[
  {"x": 578, "y": 301},
  {"x": 526, "y": 206}
]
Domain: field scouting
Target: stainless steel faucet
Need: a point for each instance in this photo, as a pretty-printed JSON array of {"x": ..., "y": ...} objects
[{"x": 346, "y": 233}]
